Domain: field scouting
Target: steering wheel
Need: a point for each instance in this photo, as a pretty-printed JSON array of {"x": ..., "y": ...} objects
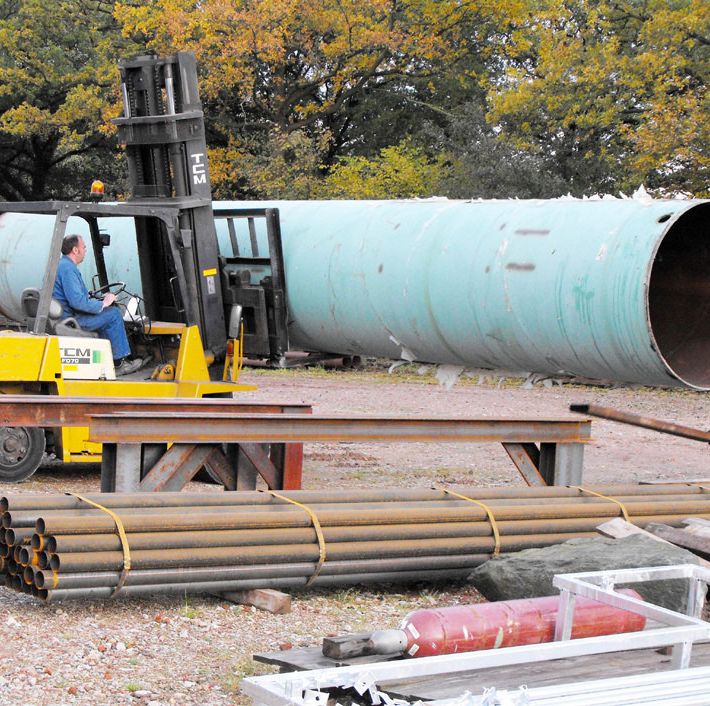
[{"x": 98, "y": 293}]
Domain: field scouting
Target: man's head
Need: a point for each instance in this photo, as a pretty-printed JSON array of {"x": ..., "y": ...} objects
[{"x": 74, "y": 248}]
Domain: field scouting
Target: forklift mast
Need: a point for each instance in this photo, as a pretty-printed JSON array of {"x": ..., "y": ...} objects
[
  {"x": 184, "y": 278},
  {"x": 164, "y": 135}
]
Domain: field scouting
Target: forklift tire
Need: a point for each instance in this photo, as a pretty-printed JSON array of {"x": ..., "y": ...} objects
[{"x": 21, "y": 452}]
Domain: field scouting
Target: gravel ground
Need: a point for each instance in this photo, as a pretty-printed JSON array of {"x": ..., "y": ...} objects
[{"x": 195, "y": 649}]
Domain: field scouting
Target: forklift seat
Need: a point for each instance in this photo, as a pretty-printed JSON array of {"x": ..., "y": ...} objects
[{"x": 56, "y": 322}]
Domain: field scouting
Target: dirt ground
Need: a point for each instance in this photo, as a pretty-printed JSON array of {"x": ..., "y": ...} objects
[{"x": 195, "y": 649}]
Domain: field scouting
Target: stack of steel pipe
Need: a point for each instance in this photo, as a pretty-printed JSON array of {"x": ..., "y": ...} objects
[{"x": 60, "y": 547}]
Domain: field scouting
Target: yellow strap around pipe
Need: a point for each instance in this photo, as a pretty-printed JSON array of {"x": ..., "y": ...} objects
[
  {"x": 606, "y": 497},
  {"x": 316, "y": 527},
  {"x": 489, "y": 512},
  {"x": 121, "y": 535}
]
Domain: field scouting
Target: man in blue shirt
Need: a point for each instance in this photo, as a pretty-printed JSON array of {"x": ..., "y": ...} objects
[{"x": 91, "y": 314}]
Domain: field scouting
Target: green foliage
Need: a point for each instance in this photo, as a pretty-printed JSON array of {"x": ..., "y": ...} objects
[
  {"x": 286, "y": 165},
  {"x": 397, "y": 172},
  {"x": 615, "y": 91},
  {"x": 57, "y": 76},
  {"x": 480, "y": 164},
  {"x": 373, "y": 98},
  {"x": 325, "y": 69}
]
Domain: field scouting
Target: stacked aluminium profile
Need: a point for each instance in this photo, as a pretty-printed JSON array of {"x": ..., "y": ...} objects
[{"x": 59, "y": 547}]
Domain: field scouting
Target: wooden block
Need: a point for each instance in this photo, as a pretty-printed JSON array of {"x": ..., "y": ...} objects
[
  {"x": 697, "y": 525},
  {"x": 618, "y": 529},
  {"x": 698, "y": 530},
  {"x": 267, "y": 599},
  {"x": 343, "y": 646},
  {"x": 681, "y": 538}
]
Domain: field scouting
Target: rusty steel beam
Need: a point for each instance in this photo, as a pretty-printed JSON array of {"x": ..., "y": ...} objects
[
  {"x": 221, "y": 428},
  {"x": 558, "y": 461},
  {"x": 285, "y": 468},
  {"x": 55, "y": 411},
  {"x": 636, "y": 420}
]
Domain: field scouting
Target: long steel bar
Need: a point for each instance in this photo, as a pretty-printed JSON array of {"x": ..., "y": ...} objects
[
  {"x": 142, "y": 577},
  {"x": 52, "y": 596},
  {"x": 638, "y": 510},
  {"x": 185, "y": 499},
  {"x": 218, "y": 428},
  {"x": 54, "y": 411},
  {"x": 283, "y": 468},
  {"x": 241, "y": 538},
  {"x": 284, "y": 553},
  {"x": 350, "y": 515},
  {"x": 636, "y": 420}
]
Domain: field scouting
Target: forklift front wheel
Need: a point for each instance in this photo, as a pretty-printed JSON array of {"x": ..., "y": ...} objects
[{"x": 21, "y": 451}]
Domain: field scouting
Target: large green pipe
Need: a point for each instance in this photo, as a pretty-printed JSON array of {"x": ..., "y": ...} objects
[
  {"x": 616, "y": 289},
  {"x": 613, "y": 288}
]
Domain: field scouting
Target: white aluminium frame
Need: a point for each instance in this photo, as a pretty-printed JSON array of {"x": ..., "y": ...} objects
[{"x": 679, "y": 630}]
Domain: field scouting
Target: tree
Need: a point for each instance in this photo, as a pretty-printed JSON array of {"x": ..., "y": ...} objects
[
  {"x": 613, "y": 90},
  {"x": 319, "y": 68},
  {"x": 57, "y": 70},
  {"x": 476, "y": 163}
]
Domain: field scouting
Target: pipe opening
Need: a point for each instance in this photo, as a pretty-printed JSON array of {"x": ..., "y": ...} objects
[{"x": 679, "y": 297}]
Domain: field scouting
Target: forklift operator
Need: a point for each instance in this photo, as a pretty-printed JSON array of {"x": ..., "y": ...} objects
[{"x": 91, "y": 314}]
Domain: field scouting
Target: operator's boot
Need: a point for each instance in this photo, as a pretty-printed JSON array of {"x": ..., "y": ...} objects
[{"x": 126, "y": 367}]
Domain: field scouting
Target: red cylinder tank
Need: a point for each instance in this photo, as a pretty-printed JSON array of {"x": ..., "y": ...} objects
[{"x": 485, "y": 626}]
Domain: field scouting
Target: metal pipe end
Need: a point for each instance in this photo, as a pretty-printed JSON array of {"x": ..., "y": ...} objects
[
  {"x": 43, "y": 560},
  {"x": 26, "y": 555},
  {"x": 679, "y": 298},
  {"x": 28, "y": 575}
]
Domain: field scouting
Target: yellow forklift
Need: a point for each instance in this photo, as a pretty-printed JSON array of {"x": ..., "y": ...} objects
[{"x": 197, "y": 310}]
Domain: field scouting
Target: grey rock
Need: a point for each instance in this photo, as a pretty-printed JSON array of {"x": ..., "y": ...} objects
[{"x": 528, "y": 574}]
